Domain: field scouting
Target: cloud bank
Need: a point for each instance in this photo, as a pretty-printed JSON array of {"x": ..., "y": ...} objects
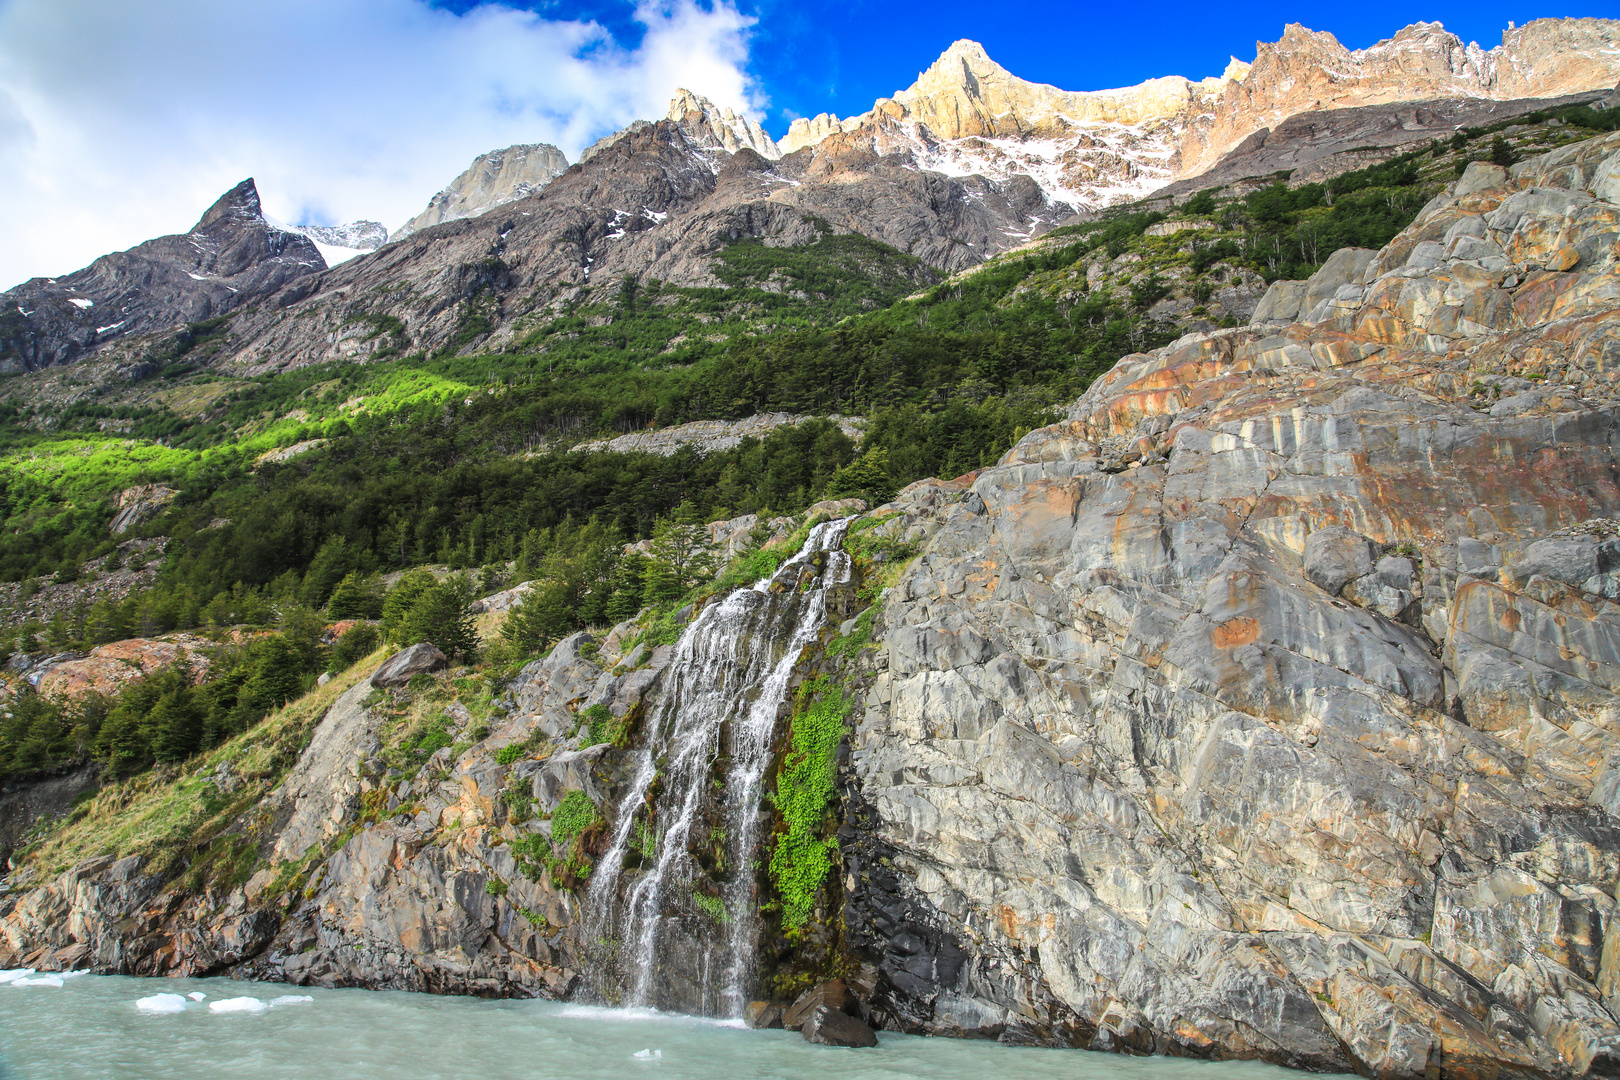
[{"x": 122, "y": 121}]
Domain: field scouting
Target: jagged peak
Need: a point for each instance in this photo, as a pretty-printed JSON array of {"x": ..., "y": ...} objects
[
  {"x": 707, "y": 122},
  {"x": 241, "y": 203}
]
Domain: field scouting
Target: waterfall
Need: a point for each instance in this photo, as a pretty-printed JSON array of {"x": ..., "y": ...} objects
[{"x": 714, "y": 720}]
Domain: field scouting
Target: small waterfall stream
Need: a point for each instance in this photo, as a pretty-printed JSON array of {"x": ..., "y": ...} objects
[{"x": 694, "y": 794}]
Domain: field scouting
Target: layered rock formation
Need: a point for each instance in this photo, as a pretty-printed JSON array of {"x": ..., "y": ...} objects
[
  {"x": 1267, "y": 705},
  {"x": 493, "y": 179},
  {"x": 229, "y": 259}
]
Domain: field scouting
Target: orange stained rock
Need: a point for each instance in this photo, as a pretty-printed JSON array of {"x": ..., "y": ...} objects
[{"x": 1234, "y": 632}]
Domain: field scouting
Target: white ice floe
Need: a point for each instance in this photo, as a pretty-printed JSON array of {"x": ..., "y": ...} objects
[
  {"x": 196, "y": 995},
  {"x": 81, "y": 303},
  {"x": 238, "y": 1004},
  {"x": 648, "y": 1055},
  {"x": 162, "y": 1003},
  {"x": 291, "y": 999},
  {"x": 13, "y": 974},
  {"x": 43, "y": 980}
]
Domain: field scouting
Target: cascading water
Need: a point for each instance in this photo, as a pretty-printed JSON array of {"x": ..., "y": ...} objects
[{"x": 717, "y": 706}]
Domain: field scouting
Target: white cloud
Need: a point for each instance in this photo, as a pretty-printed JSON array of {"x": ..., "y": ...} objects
[{"x": 123, "y": 121}]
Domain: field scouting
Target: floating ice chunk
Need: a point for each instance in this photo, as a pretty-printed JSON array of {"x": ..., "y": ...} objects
[
  {"x": 13, "y": 974},
  {"x": 238, "y": 1004},
  {"x": 196, "y": 995},
  {"x": 43, "y": 980},
  {"x": 648, "y": 1055},
  {"x": 291, "y": 999},
  {"x": 162, "y": 1003},
  {"x": 74, "y": 974}
]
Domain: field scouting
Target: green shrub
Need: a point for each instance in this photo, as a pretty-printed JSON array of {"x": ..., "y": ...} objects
[
  {"x": 353, "y": 645},
  {"x": 574, "y": 814},
  {"x": 804, "y": 792}
]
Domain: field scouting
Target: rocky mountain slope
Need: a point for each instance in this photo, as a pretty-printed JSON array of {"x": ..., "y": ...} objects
[
  {"x": 1095, "y": 148},
  {"x": 967, "y": 162},
  {"x": 493, "y": 179},
  {"x": 657, "y": 203},
  {"x": 1264, "y": 707},
  {"x": 231, "y": 258}
]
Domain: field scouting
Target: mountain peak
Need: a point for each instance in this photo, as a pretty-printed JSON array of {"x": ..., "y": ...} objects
[
  {"x": 241, "y": 203},
  {"x": 716, "y": 125}
]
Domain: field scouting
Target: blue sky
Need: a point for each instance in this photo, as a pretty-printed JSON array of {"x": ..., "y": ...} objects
[{"x": 362, "y": 109}]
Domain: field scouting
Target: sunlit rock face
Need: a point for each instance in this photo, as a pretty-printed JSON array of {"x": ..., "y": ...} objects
[{"x": 1269, "y": 705}]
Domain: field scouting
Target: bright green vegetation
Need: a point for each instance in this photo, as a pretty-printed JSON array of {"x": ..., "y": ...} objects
[{"x": 804, "y": 797}]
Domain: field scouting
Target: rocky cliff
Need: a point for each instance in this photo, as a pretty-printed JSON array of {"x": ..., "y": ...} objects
[
  {"x": 229, "y": 259},
  {"x": 657, "y": 202},
  {"x": 1264, "y": 707},
  {"x": 493, "y": 179},
  {"x": 968, "y": 162}
]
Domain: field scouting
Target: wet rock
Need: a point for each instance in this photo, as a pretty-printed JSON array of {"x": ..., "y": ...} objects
[
  {"x": 417, "y": 660},
  {"x": 833, "y": 994},
  {"x": 831, "y": 1027},
  {"x": 762, "y": 1014}
]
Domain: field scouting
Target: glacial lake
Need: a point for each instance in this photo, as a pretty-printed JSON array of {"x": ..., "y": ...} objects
[{"x": 90, "y": 1028}]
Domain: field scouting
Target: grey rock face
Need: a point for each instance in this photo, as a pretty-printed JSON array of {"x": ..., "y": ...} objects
[
  {"x": 1184, "y": 758},
  {"x": 229, "y": 259},
  {"x": 493, "y": 179},
  {"x": 1325, "y": 142},
  {"x": 418, "y": 659}
]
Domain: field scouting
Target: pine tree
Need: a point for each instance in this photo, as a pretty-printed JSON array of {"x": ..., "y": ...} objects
[
  {"x": 400, "y": 600},
  {"x": 442, "y": 615},
  {"x": 356, "y": 597},
  {"x": 680, "y": 557},
  {"x": 176, "y": 725},
  {"x": 539, "y": 620}
]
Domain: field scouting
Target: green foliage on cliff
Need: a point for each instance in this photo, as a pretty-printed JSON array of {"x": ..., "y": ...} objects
[{"x": 804, "y": 794}]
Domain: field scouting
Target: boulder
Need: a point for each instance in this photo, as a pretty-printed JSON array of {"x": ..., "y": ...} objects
[
  {"x": 1280, "y": 304},
  {"x": 1343, "y": 268},
  {"x": 138, "y": 505},
  {"x": 830, "y": 1027},
  {"x": 833, "y": 994},
  {"x": 505, "y": 600},
  {"x": 418, "y": 659},
  {"x": 762, "y": 1014}
]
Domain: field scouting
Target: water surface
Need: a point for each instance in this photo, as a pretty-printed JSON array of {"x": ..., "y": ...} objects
[{"x": 89, "y": 1028}]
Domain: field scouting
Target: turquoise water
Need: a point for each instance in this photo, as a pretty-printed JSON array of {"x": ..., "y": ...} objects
[{"x": 90, "y": 1028}]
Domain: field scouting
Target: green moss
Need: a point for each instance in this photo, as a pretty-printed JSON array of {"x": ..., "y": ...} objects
[
  {"x": 573, "y": 815},
  {"x": 804, "y": 794}
]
